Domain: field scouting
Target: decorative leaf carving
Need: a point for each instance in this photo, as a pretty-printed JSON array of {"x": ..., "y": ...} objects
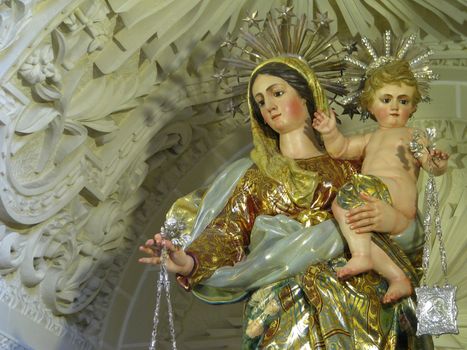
[
  {"x": 47, "y": 92},
  {"x": 14, "y": 16},
  {"x": 36, "y": 118}
]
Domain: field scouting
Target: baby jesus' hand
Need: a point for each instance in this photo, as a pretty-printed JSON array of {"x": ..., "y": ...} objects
[
  {"x": 431, "y": 159},
  {"x": 439, "y": 158},
  {"x": 324, "y": 123},
  {"x": 436, "y": 161}
]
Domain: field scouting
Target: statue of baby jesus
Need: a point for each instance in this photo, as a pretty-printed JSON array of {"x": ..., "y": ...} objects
[{"x": 389, "y": 171}]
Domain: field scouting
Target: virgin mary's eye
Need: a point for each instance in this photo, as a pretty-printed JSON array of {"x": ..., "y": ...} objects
[
  {"x": 278, "y": 93},
  {"x": 260, "y": 103}
]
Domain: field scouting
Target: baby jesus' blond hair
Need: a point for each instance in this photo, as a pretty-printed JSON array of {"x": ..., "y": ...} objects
[{"x": 396, "y": 72}]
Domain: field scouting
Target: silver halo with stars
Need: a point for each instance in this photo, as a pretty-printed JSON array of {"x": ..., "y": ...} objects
[
  {"x": 369, "y": 57},
  {"x": 281, "y": 33}
]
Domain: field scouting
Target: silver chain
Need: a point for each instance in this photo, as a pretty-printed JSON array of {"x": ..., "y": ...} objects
[
  {"x": 170, "y": 230},
  {"x": 431, "y": 203}
]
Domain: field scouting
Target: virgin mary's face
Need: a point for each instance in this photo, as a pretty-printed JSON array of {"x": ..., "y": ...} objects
[{"x": 282, "y": 108}]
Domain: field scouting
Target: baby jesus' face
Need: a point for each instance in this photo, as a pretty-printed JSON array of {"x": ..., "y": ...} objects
[{"x": 392, "y": 105}]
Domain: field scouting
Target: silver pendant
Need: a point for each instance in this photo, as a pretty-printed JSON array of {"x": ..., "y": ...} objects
[{"x": 436, "y": 310}]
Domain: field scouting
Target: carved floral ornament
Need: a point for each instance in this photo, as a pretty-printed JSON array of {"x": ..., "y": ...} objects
[
  {"x": 67, "y": 249},
  {"x": 72, "y": 165}
]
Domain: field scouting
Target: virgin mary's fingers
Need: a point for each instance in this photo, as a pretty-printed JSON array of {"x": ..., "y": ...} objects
[
  {"x": 352, "y": 213},
  {"x": 149, "y": 242},
  {"x": 169, "y": 245},
  {"x": 150, "y": 250},
  {"x": 362, "y": 223},
  {"x": 151, "y": 261}
]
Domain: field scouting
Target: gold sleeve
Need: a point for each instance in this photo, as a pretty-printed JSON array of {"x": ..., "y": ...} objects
[{"x": 224, "y": 241}]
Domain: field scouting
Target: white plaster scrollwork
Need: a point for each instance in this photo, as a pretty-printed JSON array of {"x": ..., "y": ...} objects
[
  {"x": 70, "y": 287},
  {"x": 51, "y": 245},
  {"x": 97, "y": 24},
  {"x": 68, "y": 257},
  {"x": 45, "y": 165},
  {"x": 448, "y": 54},
  {"x": 10, "y": 344},
  {"x": 29, "y": 305},
  {"x": 88, "y": 29},
  {"x": 12, "y": 250},
  {"x": 38, "y": 176},
  {"x": 14, "y": 15}
]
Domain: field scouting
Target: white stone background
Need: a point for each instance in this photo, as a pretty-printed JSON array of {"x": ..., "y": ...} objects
[{"x": 109, "y": 112}]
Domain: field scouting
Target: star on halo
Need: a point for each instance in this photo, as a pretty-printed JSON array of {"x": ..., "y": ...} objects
[
  {"x": 252, "y": 20},
  {"x": 322, "y": 19},
  {"x": 233, "y": 108},
  {"x": 285, "y": 12},
  {"x": 350, "y": 110},
  {"x": 229, "y": 42},
  {"x": 350, "y": 46},
  {"x": 219, "y": 76}
]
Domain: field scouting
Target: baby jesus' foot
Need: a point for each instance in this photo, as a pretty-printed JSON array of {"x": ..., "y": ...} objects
[
  {"x": 398, "y": 289},
  {"x": 356, "y": 265}
]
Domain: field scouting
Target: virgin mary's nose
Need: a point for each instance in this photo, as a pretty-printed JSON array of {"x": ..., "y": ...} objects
[{"x": 270, "y": 105}]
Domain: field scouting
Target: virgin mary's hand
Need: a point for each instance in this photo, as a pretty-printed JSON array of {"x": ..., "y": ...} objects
[
  {"x": 376, "y": 216},
  {"x": 177, "y": 262}
]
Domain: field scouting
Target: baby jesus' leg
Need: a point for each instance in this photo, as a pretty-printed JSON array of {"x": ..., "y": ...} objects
[
  {"x": 366, "y": 256},
  {"x": 359, "y": 245},
  {"x": 399, "y": 284}
]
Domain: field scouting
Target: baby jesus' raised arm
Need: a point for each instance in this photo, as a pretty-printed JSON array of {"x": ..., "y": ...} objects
[{"x": 337, "y": 145}]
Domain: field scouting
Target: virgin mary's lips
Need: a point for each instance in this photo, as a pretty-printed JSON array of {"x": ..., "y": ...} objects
[{"x": 275, "y": 116}]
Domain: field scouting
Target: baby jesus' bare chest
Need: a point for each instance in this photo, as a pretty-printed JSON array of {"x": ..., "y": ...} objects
[
  {"x": 389, "y": 151},
  {"x": 387, "y": 156}
]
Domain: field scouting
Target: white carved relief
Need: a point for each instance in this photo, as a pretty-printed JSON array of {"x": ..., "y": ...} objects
[
  {"x": 29, "y": 305},
  {"x": 70, "y": 266},
  {"x": 68, "y": 261},
  {"x": 40, "y": 66},
  {"x": 68, "y": 256},
  {"x": 9, "y": 344},
  {"x": 46, "y": 166},
  {"x": 85, "y": 31},
  {"x": 166, "y": 168},
  {"x": 14, "y": 15},
  {"x": 37, "y": 201},
  {"x": 448, "y": 54}
]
